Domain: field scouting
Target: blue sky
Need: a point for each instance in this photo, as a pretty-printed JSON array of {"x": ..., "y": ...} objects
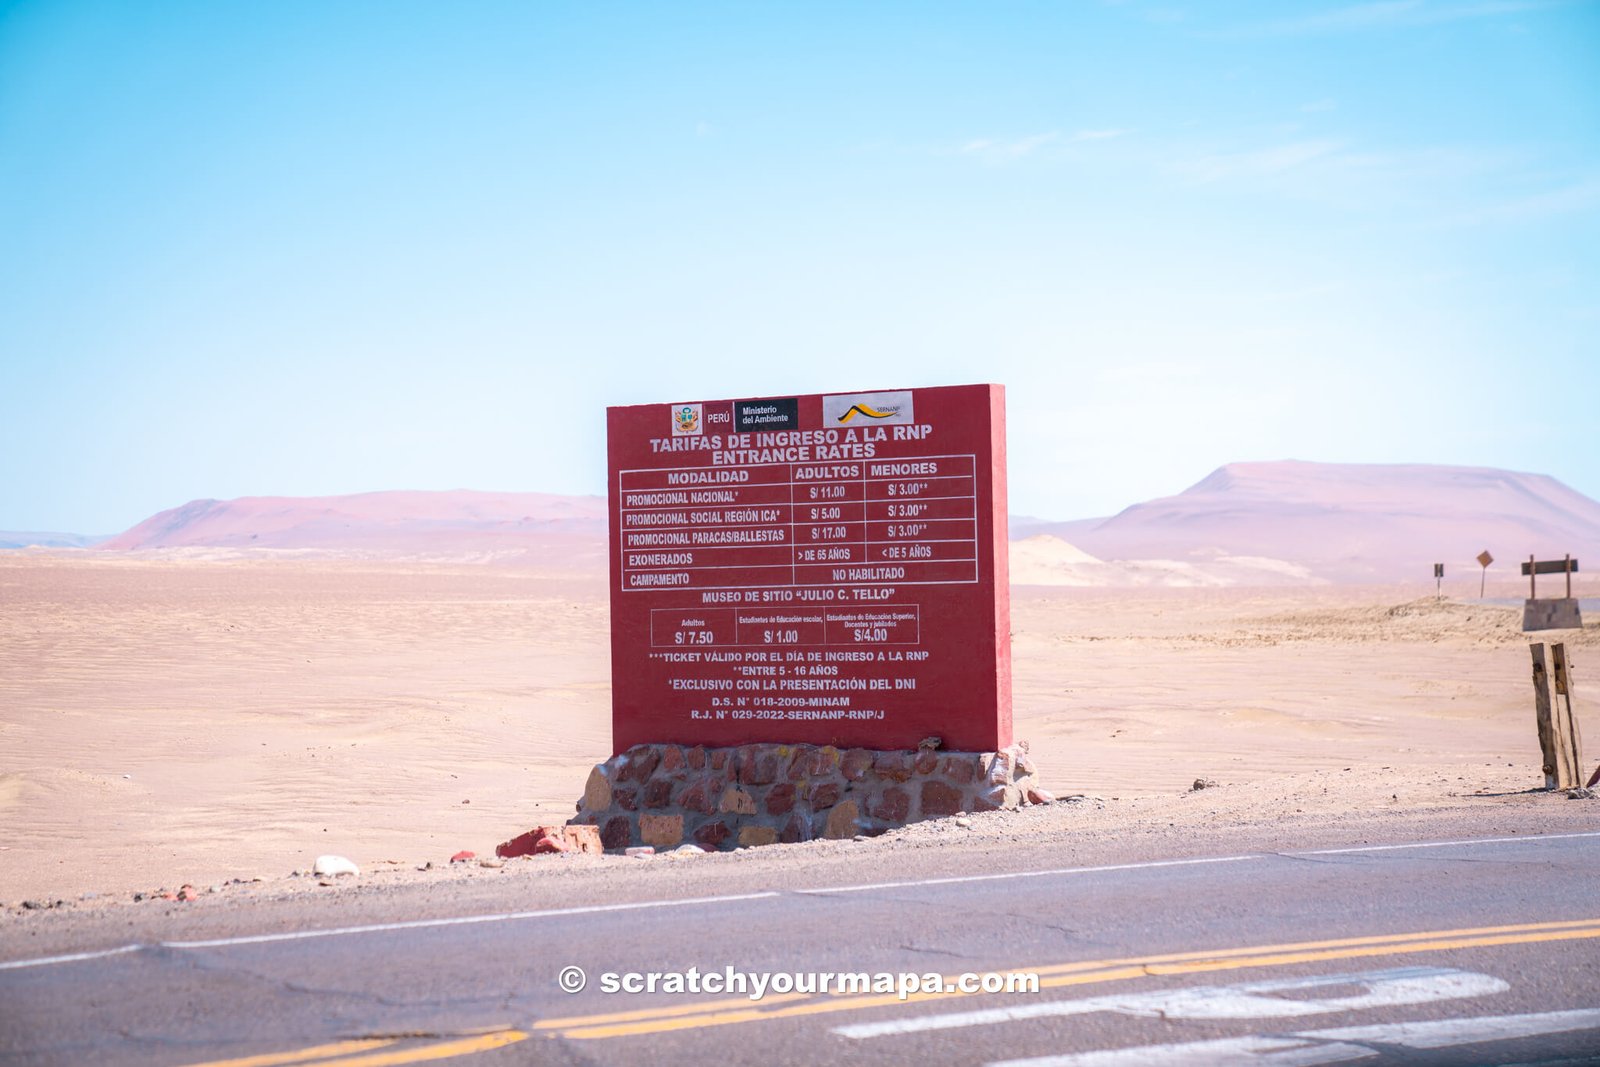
[{"x": 309, "y": 248}]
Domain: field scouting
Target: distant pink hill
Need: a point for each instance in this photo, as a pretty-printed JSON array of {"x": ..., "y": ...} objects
[
  {"x": 454, "y": 524},
  {"x": 1348, "y": 522},
  {"x": 1245, "y": 523}
]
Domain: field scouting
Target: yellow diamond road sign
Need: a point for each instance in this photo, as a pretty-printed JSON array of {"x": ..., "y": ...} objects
[{"x": 1484, "y": 559}]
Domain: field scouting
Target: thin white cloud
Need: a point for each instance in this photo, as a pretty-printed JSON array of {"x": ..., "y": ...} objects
[
  {"x": 1010, "y": 149},
  {"x": 997, "y": 150},
  {"x": 1574, "y": 198},
  {"x": 1256, "y": 162}
]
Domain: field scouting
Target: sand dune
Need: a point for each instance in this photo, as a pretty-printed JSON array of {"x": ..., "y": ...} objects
[
  {"x": 1349, "y": 522},
  {"x": 1046, "y": 560},
  {"x": 457, "y": 525},
  {"x": 1245, "y": 524}
]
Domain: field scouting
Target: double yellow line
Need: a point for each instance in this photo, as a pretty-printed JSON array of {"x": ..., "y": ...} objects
[
  {"x": 381, "y": 1052},
  {"x": 367, "y": 1052},
  {"x": 732, "y": 1010}
]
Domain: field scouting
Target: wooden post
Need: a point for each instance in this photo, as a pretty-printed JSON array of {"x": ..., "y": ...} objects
[
  {"x": 1533, "y": 580},
  {"x": 1569, "y": 575},
  {"x": 1566, "y": 723},
  {"x": 1541, "y": 713}
]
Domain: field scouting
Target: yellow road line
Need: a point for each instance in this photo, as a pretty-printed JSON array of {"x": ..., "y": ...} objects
[
  {"x": 337, "y": 1055},
  {"x": 733, "y": 1010},
  {"x": 275, "y": 1059}
]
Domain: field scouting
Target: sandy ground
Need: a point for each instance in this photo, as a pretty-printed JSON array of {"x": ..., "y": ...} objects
[{"x": 191, "y": 720}]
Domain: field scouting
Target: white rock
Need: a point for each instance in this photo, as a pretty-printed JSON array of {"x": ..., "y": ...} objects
[{"x": 333, "y": 866}]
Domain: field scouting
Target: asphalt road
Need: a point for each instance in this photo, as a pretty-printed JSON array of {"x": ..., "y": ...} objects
[{"x": 1429, "y": 952}]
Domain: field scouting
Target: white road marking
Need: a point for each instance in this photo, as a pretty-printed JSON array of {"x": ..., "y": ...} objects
[
  {"x": 1246, "y": 1000},
  {"x": 957, "y": 879},
  {"x": 413, "y": 924},
  {"x": 1336, "y": 1045},
  {"x": 1446, "y": 1033},
  {"x": 70, "y": 958},
  {"x": 465, "y": 920},
  {"x": 1234, "y": 1051},
  {"x": 417, "y": 924},
  {"x": 1442, "y": 844}
]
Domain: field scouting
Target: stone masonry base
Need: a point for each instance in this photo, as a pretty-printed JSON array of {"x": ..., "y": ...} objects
[{"x": 725, "y": 798}]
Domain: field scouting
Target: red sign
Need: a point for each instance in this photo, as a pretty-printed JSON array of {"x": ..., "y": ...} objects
[{"x": 826, "y": 569}]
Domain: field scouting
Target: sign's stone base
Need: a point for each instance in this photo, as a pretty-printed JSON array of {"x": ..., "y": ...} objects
[
  {"x": 1558, "y": 613},
  {"x": 726, "y": 798}
]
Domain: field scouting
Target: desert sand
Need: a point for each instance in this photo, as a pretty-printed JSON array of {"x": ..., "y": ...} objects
[{"x": 192, "y": 716}]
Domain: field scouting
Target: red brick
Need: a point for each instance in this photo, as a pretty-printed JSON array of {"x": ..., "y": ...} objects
[
  {"x": 780, "y": 798},
  {"x": 823, "y": 795},
  {"x": 658, "y": 793},
  {"x": 702, "y": 795},
  {"x": 927, "y": 760},
  {"x": 539, "y": 840},
  {"x": 758, "y": 765},
  {"x": 960, "y": 769},
  {"x": 798, "y": 828},
  {"x": 893, "y": 805},
  {"x": 521, "y": 845},
  {"x": 617, "y": 832},
  {"x": 642, "y": 763},
  {"x": 671, "y": 758},
  {"x": 696, "y": 758},
  {"x": 713, "y": 833},
  {"x": 800, "y": 763},
  {"x": 463, "y": 856},
  {"x": 582, "y": 838},
  {"x": 855, "y": 763},
  {"x": 662, "y": 831},
  {"x": 940, "y": 799},
  {"x": 626, "y": 799},
  {"x": 894, "y": 766},
  {"x": 719, "y": 758}
]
